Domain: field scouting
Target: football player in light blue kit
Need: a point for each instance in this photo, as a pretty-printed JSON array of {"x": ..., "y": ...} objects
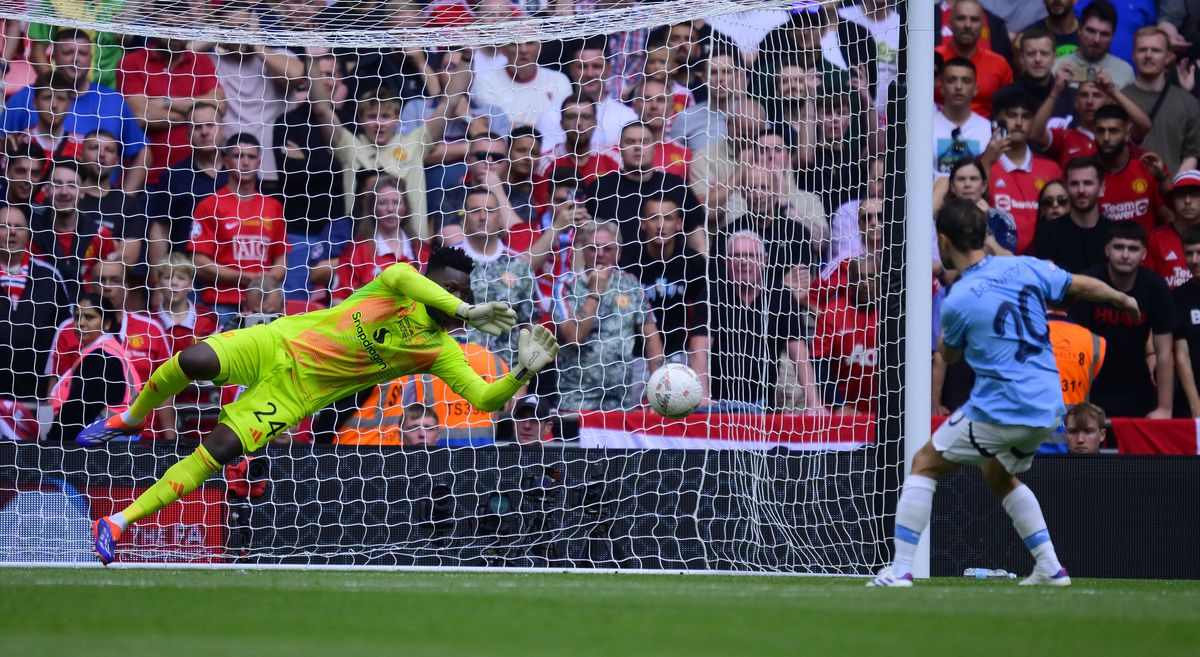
[{"x": 995, "y": 314}]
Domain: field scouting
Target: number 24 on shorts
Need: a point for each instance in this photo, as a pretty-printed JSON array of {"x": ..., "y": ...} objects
[{"x": 275, "y": 426}]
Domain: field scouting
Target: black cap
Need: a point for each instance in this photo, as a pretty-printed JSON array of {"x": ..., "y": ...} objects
[{"x": 531, "y": 406}]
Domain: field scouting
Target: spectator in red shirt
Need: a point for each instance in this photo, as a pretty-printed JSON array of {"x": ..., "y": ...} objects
[
  {"x": 71, "y": 240},
  {"x": 1018, "y": 174},
  {"x": 1131, "y": 187},
  {"x": 460, "y": 13},
  {"x": 994, "y": 34},
  {"x": 575, "y": 153},
  {"x": 669, "y": 63},
  {"x": 992, "y": 71},
  {"x": 1165, "y": 249},
  {"x": 549, "y": 239},
  {"x": 144, "y": 338},
  {"x": 380, "y": 240},
  {"x": 652, "y": 103},
  {"x": 186, "y": 323},
  {"x": 93, "y": 317},
  {"x": 161, "y": 82},
  {"x": 238, "y": 233},
  {"x": 589, "y": 67},
  {"x": 1066, "y": 143},
  {"x": 847, "y": 343}
]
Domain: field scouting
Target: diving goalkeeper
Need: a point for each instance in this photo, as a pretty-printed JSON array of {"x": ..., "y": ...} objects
[{"x": 393, "y": 326}]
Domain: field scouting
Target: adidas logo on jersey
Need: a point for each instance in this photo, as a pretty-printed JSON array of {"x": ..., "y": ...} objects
[
  {"x": 1001, "y": 184},
  {"x": 1170, "y": 256}
]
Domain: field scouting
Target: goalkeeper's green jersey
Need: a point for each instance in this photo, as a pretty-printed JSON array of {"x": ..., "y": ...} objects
[{"x": 382, "y": 332}]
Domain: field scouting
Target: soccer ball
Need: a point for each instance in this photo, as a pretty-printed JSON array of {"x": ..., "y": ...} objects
[{"x": 674, "y": 391}]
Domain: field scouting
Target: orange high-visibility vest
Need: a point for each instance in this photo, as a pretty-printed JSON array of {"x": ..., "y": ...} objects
[
  {"x": 1080, "y": 355},
  {"x": 109, "y": 344},
  {"x": 378, "y": 419}
]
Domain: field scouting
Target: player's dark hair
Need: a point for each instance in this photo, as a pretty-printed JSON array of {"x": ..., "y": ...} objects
[
  {"x": 963, "y": 223},
  {"x": 525, "y": 131},
  {"x": 1085, "y": 162},
  {"x": 1035, "y": 32},
  {"x": 598, "y": 42},
  {"x": 478, "y": 190},
  {"x": 60, "y": 81},
  {"x": 960, "y": 62},
  {"x": 565, "y": 177},
  {"x": 659, "y": 200},
  {"x": 577, "y": 97},
  {"x": 634, "y": 124},
  {"x": 243, "y": 138},
  {"x": 1112, "y": 111},
  {"x": 1127, "y": 230},
  {"x": 719, "y": 45},
  {"x": 1101, "y": 10},
  {"x": 69, "y": 165},
  {"x": 782, "y": 130},
  {"x": 1191, "y": 236},
  {"x": 1013, "y": 97},
  {"x": 108, "y": 314},
  {"x": 449, "y": 257}
]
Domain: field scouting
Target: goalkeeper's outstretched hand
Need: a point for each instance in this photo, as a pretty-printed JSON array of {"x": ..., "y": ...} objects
[
  {"x": 493, "y": 317},
  {"x": 535, "y": 350}
]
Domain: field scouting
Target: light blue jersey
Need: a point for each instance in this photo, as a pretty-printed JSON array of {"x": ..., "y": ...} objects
[{"x": 996, "y": 313}]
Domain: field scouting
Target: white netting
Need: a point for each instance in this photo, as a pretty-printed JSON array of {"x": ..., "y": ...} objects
[{"x": 698, "y": 183}]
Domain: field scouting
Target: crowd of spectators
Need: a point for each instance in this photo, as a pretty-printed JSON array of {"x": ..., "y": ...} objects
[
  {"x": 1084, "y": 143},
  {"x": 708, "y": 193}
]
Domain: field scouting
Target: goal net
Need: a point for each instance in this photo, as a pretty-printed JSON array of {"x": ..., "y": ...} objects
[{"x": 711, "y": 183}]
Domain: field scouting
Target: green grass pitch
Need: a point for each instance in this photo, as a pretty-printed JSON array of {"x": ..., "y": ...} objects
[{"x": 259, "y": 613}]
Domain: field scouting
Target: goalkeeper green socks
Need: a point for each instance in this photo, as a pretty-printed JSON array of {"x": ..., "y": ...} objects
[
  {"x": 166, "y": 381},
  {"x": 179, "y": 480}
]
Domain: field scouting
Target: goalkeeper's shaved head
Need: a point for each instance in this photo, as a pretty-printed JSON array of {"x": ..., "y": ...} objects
[
  {"x": 449, "y": 257},
  {"x": 451, "y": 268}
]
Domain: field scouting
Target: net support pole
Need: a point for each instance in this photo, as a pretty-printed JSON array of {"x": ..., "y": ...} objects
[{"x": 918, "y": 297}]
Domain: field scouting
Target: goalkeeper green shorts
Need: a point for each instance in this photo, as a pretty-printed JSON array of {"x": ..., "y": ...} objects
[{"x": 271, "y": 401}]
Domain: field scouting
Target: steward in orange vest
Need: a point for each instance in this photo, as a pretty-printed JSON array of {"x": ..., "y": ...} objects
[{"x": 379, "y": 417}]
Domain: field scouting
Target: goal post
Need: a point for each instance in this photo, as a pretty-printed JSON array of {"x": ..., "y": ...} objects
[
  {"x": 728, "y": 185},
  {"x": 919, "y": 203}
]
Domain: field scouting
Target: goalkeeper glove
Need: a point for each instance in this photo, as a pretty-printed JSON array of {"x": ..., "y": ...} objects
[
  {"x": 535, "y": 350},
  {"x": 493, "y": 317}
]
